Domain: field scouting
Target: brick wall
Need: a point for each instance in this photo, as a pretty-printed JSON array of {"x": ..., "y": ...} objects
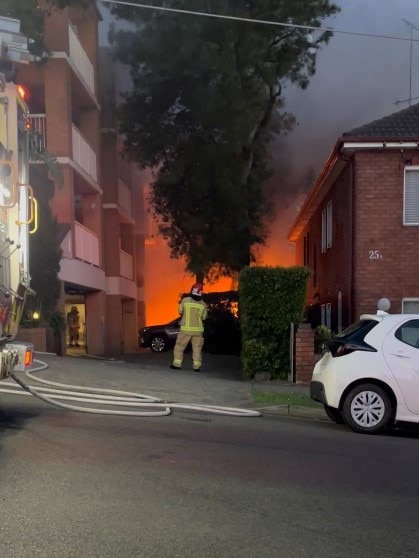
[
  {"x": 42, "y": 338},
  {"x": 379, "y": 226},
  {"x": 330, "y": 271},
  {"x": 377, "y": 205},
  {"x": 304, "y": 354}
]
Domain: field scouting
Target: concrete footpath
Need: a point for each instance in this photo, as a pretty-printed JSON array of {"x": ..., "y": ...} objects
[{"x": 219, "y": 382}]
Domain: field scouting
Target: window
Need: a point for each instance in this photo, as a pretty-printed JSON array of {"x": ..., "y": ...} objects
[
  {"x": 327, "y": 227},
  {"x": 314, "y": 266},
  {"x": 326, "y": 315},
  {"x": 409, "y": 333},
  {"x": 358, "y": 330},
  {"x": 329, "y": 315},
  {"x": 410, "y": 306},
  {"x": 307, "y": 249},
  {"x": 339, "y": 311},
  {"x": 411, "y": 196}
]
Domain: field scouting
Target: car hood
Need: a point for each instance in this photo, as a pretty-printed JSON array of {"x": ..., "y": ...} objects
[{"x": 155, "y": 327}]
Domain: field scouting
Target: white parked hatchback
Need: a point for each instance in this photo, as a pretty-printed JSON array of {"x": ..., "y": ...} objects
[{"x": 368, "y": 377}]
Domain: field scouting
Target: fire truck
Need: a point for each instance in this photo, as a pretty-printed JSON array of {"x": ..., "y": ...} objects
[{"x": 18, "y": 206}]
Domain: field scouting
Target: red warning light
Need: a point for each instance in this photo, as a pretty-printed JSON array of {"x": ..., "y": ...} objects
[{"x": 28, "y": 358}]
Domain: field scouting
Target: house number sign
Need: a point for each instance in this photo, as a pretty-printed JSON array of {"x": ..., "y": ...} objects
[{"x": 375, "y": 255}]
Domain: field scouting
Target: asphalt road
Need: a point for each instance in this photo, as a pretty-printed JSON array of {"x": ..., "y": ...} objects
[{"x": 75, "y": 485}]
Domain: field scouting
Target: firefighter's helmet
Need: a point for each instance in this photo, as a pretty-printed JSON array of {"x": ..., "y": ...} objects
[{"x": 197, "y": 289}]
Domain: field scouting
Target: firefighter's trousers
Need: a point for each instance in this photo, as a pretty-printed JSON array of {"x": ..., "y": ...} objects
[{"x": 182, "y": 342}]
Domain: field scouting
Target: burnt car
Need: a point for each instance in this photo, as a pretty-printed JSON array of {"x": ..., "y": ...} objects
[{"x": 221, "y": 334}]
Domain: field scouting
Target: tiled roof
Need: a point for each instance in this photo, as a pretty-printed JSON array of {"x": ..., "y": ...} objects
[{"x": 402, "y": 124}]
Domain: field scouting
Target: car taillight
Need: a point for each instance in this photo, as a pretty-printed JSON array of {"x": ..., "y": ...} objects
[
  {"x": 348, "y": 348},
  {"x": 343, "y": 350}
]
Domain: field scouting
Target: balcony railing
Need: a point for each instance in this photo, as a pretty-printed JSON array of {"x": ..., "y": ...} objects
[
  {"x": 83, "y": 154},
  {"x": 87, "y": 245},
  {"x": 81, "y": 61},
  {"x": 38, "y": 124},
  {"x": 127, "y": 265},
  {"x": 124, "y": 197}
]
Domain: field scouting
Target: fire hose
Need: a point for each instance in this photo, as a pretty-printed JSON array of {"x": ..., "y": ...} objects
[{"x": 152, "y": 406}]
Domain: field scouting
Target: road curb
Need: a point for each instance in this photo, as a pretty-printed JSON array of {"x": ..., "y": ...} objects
[{"x": 294, "y": 411}]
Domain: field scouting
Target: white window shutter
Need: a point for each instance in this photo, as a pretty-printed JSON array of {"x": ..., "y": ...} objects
[
  {"x": 411, "y": 197},
  {"x": 410, "y": 306}
]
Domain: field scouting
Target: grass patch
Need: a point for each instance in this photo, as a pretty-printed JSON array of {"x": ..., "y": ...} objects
[{"x": 284, "y": 398}]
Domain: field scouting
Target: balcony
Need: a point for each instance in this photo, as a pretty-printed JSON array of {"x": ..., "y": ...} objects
[
  {"x": 127, "y": 265},
  {"x": 83, "y": 154},
  {"x": 86, "y": 245},
  {"x": 124, "y": 197},
  {"x": 38, "y": 124},
  {"x": 81, "y": 61}
]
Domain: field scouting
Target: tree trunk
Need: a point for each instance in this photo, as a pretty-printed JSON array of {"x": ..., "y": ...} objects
[{"x": 200, "y": 277}]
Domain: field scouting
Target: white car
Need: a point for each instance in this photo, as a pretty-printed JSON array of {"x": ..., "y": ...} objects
[{"x": 369, "y": 376}]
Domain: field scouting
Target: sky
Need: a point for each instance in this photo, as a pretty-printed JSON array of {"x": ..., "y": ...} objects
[{"x": 357, "y": 79}]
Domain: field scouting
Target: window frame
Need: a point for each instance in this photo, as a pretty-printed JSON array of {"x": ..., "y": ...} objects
[
  {"x": 323, "y": 314},
  {"x": 327, "y": 227},
  {"x": 329, "y": 315},
  {"x": 324, "y": 230}
]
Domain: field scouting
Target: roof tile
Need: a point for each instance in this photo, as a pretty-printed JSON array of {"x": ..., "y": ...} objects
[{"x": 402, "y": 124}]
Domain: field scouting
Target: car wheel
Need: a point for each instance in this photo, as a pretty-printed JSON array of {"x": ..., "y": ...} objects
[
  {"x": 158, "y": 344},
  {"x": 334, "y": 414},
  {"x": 367, "y": 409}
]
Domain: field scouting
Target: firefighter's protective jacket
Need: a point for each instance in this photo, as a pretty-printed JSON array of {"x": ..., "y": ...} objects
[{"x": 193, "y": 314}]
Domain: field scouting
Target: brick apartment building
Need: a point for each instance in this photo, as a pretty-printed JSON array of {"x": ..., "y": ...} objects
[
  {"x": 358, "y": 230},
  {"x": 96, "y": 208}
]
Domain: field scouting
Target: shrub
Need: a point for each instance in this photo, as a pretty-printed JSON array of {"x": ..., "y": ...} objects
[
  {"x": 321, "y": 335},
  {"x": 271, "y": 298}
]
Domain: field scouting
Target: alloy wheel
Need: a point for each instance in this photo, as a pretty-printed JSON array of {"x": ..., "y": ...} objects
[{"x": 158, "y": 344}]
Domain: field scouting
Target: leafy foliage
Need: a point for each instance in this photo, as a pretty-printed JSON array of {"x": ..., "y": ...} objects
[
  {"x": 37, "y": 152},
  {"x": 205, "y": 104},
  {"x": 322, "y": 334},
  {"x": 45, "y": 254},
  {"x": 271, "y": 298}
]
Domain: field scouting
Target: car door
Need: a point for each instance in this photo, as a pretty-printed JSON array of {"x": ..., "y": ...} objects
[
  {"x": 401, "y": 351},
  {"x": 172, "y": 330}
]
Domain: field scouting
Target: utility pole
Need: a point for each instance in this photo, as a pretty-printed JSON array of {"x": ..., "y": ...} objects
[{"x": 412, "y": 28}]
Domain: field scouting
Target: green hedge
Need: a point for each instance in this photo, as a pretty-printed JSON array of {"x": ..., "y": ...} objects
[{"x": 270, "y": 299}]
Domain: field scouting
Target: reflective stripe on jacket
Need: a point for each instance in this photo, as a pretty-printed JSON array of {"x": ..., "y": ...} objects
[{"x": 193, "y": 313}]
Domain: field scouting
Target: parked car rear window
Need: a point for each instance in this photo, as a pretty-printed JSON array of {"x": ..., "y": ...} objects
[
  {"x": 409, "y": 333},
  {"x": 358, "y": 330}
]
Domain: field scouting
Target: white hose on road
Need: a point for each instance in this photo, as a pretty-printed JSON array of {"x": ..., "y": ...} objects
[{"x": 155, "y": 407}]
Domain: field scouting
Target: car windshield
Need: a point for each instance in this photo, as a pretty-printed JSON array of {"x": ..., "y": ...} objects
[{"x": 357, "y": 330}]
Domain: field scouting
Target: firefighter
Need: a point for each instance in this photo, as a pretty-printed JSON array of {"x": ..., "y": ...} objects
[{"x": 193, "y": 312}]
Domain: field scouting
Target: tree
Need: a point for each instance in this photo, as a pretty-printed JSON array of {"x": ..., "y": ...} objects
[
  {"x": 44, "y": 252},
  {"x": 204, "y": 107}
]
